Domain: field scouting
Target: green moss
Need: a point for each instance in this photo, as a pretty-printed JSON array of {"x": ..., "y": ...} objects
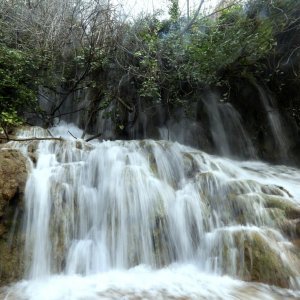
[
  {"x": 277, "y": 215},
  {"x": 11, "y": 260},
  {"x": 277, "y": 202},
  {"x": 262, "y": 264},
  {"x": 290, "y": 209}
]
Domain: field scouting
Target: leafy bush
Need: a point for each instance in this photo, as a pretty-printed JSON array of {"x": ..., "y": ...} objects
[
  {"x": 17, "y": 85},
  {"x": 164, "y": 61}
]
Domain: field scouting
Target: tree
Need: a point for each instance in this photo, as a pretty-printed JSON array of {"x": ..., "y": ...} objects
[
  {"x": 18, "y": 85},
  {"x": 71, "y": 46}
]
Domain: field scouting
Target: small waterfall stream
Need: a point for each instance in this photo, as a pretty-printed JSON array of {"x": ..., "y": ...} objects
[
  {"x": 225, "y": 125},
  {"x": 153, "y": 220},
  {"x": 277, "y": 129}
]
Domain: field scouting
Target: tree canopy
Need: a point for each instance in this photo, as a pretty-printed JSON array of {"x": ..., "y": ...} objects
[{"x": 67, "y": 46}]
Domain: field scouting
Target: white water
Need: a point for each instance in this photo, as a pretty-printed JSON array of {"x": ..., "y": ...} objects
[
  {"x": 175, "y": 282},
  {"x": 225, "y": 124},
  {"x": 148, "y": 220},
  {"x": 282, "y": 142}
]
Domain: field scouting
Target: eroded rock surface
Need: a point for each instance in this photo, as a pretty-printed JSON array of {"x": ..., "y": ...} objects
[{"x": 13, "y": 174}]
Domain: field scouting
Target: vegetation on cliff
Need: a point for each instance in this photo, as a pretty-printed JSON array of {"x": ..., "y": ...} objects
[{"x": 52, "y": 51}]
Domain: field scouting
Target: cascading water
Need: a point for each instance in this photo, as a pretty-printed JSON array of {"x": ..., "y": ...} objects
[
  {"x": 275, "y": 123},
  {"x": 154, "y": 220},
  {"x": 228, "y": 134}
]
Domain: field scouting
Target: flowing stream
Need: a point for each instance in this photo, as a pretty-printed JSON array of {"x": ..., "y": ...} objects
[{"x": 154, "y": 220}]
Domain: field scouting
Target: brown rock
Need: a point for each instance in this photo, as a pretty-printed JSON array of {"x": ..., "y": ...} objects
[
  {"x": 293, "y": 213},
  {"x": 296, "y": 243},
  {"x": 275, "y": 190},
  {"x": 13, "y": 174},
  {"x": 264, "y": 264}
]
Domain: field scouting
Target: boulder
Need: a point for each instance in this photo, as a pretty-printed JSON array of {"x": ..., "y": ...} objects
[
  {"x": 263, "y": 264},
  {"x": 13, "y": 174}
]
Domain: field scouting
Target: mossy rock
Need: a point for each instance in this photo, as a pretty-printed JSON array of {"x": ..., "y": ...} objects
[
  {"x": 277, "y": 215},
  {"x": 190, "y": 165},
  {"x": 209, "y": 182},
  {"x": 85, "y": 146},
  {"x": 240, "y": 187},
  {"x": 263, "y": 264},
  {"x": 293, "y": 213},
  {"x": 272, "y": 189},
  {"x": 11, "y": 260},
  {"x": 297, "y": 228},
  {"x": 246, "y": 186},
  {"x": 13, "y": 174},
  {"x": 153, "y": 163},
  {"x": 255, "y": 255},
  {"x": 296, "y": 243},
  {"x": 291, "y": 210},
  {"x": 248, "y": 209}
]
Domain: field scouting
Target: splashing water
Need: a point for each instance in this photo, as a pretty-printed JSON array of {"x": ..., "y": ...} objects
[{"x": 152, "y": 220}]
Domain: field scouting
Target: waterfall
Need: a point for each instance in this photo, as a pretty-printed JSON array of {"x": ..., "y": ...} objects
[
  {"x": 184, "y": 128},
  {"x": 280, "y": 137},
  {"x": 227, "y": 131},
  {"x": 153, "y": 220}
]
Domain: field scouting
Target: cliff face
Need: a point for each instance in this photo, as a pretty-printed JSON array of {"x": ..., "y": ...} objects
[
  {"x": 253, "y": 122},
  {"x": 13, "y": 174}
]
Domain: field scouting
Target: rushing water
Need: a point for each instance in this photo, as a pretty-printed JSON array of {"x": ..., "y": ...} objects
[{"x": 151, "y": 220}]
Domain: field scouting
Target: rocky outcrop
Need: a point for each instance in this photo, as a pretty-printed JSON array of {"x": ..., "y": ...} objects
[
  {"x": 263, "y": 264},
  {"x": 261, "y": 243},
  {"x": 13, "y": 174}
]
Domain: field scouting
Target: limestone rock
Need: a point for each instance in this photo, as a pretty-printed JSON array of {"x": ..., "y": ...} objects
[
  {"x": 263, "y": 264},
  {"x": 13, "y": 174}
]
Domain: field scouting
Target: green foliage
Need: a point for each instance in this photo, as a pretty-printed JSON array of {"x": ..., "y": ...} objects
[
  {"x": 18, "y": 84},
  {"x": 174, "y": 10},
  {"x": 147, "y": 68},
  {"x": 162, "y": 63},
  {"x": 233, "y": 38},
  {"x": 238, "y": 43},
  {"x": 9, "y": 118}
]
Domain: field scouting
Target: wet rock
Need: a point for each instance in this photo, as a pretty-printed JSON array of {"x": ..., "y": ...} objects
[
  {"x": 190, "y": 165},
  {"x": 275, "y": 190},
  {"x": 2, "y": 138},
  {"x": 297, "y": 229},
  {"x": 290, "y": 209},
  {"x": 13, "y": 174},
  {"x": 263, "y": 264},
  {"x": 293, "y": 212},
  {"x": 296, "y": 243},
  {"x": 82, "y": 145},
  {"x": 32, "y": 151},
  {"x": 248, "y": 209},
  {"x": 208, "y": 182},
  {"x": 11, "y": 260},
  {"x": 238, "y": 187}
]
